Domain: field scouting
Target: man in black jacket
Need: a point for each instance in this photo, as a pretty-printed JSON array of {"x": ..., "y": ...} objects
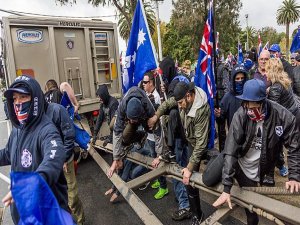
[
  {"x": 107, "y": 111},
  {"x": 134, "y": 110},
  {"x": 249, "y": 152},
  {"x": 35, "y": 144}
]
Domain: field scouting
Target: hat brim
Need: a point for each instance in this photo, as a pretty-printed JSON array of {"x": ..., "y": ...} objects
[
  {"x": 9, "y": 92},
  {"x": 244, "y": 98}
]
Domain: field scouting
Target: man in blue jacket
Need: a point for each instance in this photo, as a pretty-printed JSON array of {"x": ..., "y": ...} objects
[{"x": 34, "y": 144}]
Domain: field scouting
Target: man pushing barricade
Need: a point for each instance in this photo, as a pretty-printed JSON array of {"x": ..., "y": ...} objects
[
  {"x": 195, "y": 115},
  {"x": 134, "y": 110},
  {"x": 249, "y": 152}
]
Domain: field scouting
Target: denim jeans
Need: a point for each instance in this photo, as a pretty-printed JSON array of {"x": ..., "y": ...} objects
[
  {"x": 148, "y": 150},
  {"x": 179, "y": 187}
]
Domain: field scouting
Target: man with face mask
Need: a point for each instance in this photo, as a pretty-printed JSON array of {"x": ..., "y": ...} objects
[
  {"x": 249, "y": 152},
  {"x": 230, "y": 103},
  {"x": 134, "y": 111},
  {"x": 35, "y": 144},
  {"x": 195, "y": 116},
  {"x": 108, "y": 108}
]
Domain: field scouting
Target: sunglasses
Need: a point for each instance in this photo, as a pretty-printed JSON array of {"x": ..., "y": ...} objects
[{"x": 146, "y": 81}]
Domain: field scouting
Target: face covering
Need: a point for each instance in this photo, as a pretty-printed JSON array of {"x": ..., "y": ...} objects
[
  {"x": 239, "y": 87},
  {"x": 256, "y": 114},
  {"x": 22, "y": 110}
]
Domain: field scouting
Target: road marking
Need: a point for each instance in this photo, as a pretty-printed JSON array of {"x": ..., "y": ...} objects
[{"x": 5, "y": 178}]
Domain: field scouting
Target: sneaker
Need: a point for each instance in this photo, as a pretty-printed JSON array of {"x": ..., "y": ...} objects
[
  {"x": 143, "y": 187},
  {"x": 283, "y": 171},
  {"x": 196, "y": 221},
  {"x": 161, "y": 193},
  {"x": 182, "y": 214},
  {"x": 155, "y": 184},
  {"x": 269, "y": 181}
]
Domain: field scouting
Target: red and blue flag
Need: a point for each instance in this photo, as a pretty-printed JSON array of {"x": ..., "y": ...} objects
[{"x": 204, "y": 77}]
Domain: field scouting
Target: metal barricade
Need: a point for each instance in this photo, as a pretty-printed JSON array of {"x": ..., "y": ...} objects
[{"x": 247, "y": 198}]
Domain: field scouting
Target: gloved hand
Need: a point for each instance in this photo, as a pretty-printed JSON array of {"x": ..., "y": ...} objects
[{"x": 105, "y": 142}]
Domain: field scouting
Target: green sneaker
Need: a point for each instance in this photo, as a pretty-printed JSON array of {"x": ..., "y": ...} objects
[
  {"x": 155, "y": 184},
  {"x": 161, "y": 193}
]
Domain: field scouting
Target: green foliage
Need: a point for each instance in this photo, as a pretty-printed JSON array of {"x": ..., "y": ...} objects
[
  {"x": 129, "y": 9},
  {"x": 184, "y": 32},
  {"x": 288, "y": 12},
  {"x": 163, "y": 29},
  {"x": 270, "y": 34}
]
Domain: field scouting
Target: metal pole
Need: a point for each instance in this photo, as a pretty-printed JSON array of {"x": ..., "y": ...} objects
[
  {"x": 247, "y": 30},
  {"x": 158, "y": 31}
]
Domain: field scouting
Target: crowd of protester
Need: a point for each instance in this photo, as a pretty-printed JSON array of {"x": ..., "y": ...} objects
[{"x": 257, "y": 112}]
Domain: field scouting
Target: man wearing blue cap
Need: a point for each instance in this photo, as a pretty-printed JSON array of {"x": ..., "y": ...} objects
[
  {"x": 275, "y": 52},
  {"x": 249, "y": 152}
]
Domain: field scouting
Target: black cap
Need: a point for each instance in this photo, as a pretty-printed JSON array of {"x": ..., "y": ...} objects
[
  {"x": 20, "y": 88},
  {"x": 182, "y": 88},
  {"x": 297, "y": 58},
  {"x": 134, "y": 109}
]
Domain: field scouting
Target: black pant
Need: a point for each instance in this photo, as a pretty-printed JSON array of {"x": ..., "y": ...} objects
[
  {"x": 175, "y": 128},
  {"x": 244, "y": 181}
]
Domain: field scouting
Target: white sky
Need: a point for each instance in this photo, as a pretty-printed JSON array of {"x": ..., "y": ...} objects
[{"x": 261, "y": 12}]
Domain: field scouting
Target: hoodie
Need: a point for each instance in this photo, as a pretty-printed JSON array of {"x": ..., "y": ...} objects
[
  {"x": 37, "y": 145},
  {"x": 229, "y": 103},
  {"x": 107, "y": 110}
]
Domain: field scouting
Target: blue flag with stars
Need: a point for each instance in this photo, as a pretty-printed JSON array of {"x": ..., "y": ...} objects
[
  {"x": 296, "y": 42},
  {"x": 140, "y": 54}
]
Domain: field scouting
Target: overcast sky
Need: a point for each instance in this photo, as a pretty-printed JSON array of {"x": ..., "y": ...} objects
[{"x": 261, "y": 12}]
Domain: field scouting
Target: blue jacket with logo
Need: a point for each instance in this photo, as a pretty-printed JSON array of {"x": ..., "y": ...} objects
[{"x": 36, "y": 146}]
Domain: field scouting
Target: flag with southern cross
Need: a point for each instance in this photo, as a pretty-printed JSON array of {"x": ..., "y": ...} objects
[
  {"x": 140, "y": 55},
  {"x": 240, "y": 54},
  {"x": 296, "y": 42},
  {"x": 204, "y": 77}
]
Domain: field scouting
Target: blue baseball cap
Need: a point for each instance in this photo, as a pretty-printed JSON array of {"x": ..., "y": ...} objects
[
  {"x": 254, "y": 91},
  {"x": 275, "y": 48}
]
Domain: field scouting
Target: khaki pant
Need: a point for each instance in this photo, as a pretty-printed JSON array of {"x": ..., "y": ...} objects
[{"x": 73, "y": 199}]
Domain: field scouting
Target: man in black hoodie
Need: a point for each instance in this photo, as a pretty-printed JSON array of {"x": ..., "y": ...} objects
[
  {"x": 34, "y": 144},
  {"x": 107, "y": 111}
]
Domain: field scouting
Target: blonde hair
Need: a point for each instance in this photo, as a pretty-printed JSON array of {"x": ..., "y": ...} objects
[{"x": 275, "y": 72}]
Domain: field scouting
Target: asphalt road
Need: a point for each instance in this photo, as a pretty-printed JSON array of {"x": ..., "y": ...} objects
[{"x": 93, "y": 183}]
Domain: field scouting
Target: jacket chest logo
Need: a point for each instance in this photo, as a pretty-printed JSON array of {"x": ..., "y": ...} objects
[
  {"x": 26, "y": 158},
  {"x": 279, "y": 130}
]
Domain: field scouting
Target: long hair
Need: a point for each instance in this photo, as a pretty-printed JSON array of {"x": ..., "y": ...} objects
[
  {"x": 275, "y": 72},
  {"x": 51, "y": 85}
]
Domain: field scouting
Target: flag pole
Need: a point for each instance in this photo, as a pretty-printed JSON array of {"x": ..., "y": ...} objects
[{"x": 215, "y": 57}]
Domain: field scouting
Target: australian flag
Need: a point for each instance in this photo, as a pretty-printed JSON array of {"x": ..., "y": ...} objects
[
  {"x": 240, "y": 54},
  {"x": 36, "y": 202},
  {"x": 140, "y": 54},
  {"x": 296, "y": 42},
  {"x": 204, "y": 77}
]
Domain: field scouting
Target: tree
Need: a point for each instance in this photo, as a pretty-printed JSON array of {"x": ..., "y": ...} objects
[
  {"x": 288, "y": 12},
  {"x": 123, "y": 25},
  {"x": 252, "y": 34},
  {"x": 187, "y": 22},
  {"x": 163, "y": 30},
  {"x": 126, "y": 9},
  {"x": 270, "y": 34}
]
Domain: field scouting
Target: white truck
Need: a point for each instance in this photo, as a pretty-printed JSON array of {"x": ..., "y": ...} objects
[{"x": 84, "y": 53}]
